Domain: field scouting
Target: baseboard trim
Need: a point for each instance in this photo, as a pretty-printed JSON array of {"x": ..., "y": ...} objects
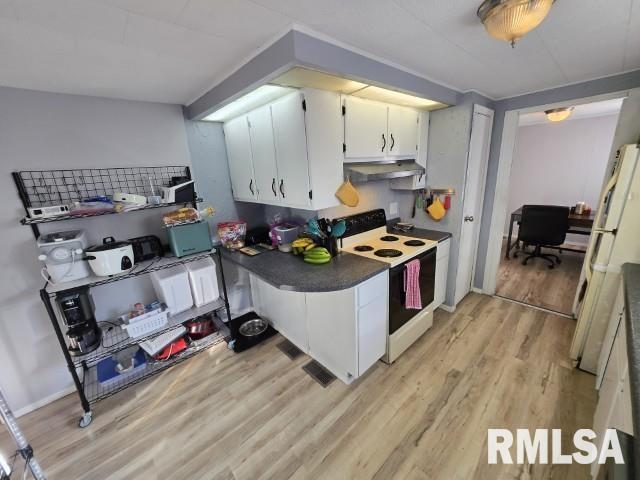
[
  {"x": 477, "y": 290},
  {"x": 44, "y": 401},
  {"x": 447, "y": 308},
  {"x": 547, "y": 310}
]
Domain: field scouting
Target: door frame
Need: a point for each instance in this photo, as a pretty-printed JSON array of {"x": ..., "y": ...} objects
[
  {"x": 503, "y": 179},
  {"x": 484, "y": 163}
]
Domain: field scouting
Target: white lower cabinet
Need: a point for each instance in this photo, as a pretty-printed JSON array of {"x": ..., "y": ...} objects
[
  {"x": 345, "y": 330},
  {"x": 285, "y": 310},
  {"x": 614, "y": 396},
  {"x": 442, "y": 266}
]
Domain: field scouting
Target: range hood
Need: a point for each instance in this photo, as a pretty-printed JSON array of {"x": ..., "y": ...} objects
[{"x": 384, "y": 170}]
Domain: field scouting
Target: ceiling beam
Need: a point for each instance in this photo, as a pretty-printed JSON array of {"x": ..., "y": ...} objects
[{"x": 300, "y": 49}]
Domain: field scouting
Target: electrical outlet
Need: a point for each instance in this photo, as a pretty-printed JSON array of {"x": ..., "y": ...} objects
[{"x": 393, "y": 208}]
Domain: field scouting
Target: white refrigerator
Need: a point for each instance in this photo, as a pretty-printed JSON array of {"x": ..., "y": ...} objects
[{"x": 615, "y": 240}]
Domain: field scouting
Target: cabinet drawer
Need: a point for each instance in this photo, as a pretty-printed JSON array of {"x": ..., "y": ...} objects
[
  {"x": 373, "y": 288},
  {"x": 443, "y": 249}
]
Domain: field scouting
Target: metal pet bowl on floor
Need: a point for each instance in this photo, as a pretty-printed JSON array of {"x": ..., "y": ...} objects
[{"x": 254, "y": 327}]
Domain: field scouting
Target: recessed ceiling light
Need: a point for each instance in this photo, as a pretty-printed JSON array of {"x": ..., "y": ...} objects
[
  {"x": 510, "y": 20},
  {"x": 558, "y": 114}
]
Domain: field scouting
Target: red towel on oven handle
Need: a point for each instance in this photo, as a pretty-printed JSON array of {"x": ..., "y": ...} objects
[{"x": 412, "y": 285}]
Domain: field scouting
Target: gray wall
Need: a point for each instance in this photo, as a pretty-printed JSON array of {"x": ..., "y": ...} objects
[
  {"x": 560, "y": 164},
  {"x": 449, "y": 134},
  {"x": 40, "y": 131}
]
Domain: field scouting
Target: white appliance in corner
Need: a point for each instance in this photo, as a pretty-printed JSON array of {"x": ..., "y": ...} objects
[
  {"x": 614, "y": 241},
  {"x": 367, "y": 236}
]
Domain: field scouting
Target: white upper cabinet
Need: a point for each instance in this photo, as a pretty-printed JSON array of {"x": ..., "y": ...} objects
[
  {"x": 291, "y": 150},
  {"x": 239, "y": 155},
  {"x": 365, "y": 129},
  {"x": 416, "y": 182},
  {"x": 291, "y": 155},
  {"x": 265, "y": 168},
  {"x": 403, "y": 132},
  {"x": 377, "y": 131}
]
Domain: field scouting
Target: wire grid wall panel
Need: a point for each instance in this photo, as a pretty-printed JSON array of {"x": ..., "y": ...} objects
[{"x": 62, "y": 187}]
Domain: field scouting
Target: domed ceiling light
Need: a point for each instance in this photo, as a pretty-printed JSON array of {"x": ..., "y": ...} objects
[
  {"x": 510, "y": 20},
  {"x": 558, "y": 114}
]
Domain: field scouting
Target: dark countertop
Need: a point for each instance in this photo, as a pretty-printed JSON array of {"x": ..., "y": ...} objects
[
  {"x": 289, "y": 272},
  {"x": 631, "y": 278},
  {"x": 435, "y": 235}
]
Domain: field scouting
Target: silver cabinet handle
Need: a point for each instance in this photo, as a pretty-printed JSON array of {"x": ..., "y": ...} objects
[{"x": 468, "y": 219}]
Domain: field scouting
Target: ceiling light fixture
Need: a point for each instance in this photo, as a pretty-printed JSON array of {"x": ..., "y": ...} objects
[
  {"x": 558, "y": 114},
  {"x": 510, "y": 20}
]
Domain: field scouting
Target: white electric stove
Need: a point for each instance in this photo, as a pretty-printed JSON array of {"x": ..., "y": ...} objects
[
  {"x": 391, "y": 248},
  {"x": 367, "y": 236}
]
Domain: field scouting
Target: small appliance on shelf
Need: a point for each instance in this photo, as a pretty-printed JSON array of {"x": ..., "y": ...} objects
[
  {"x": 179, "y": 193},
  {"x": 62, "y": 254},
  {"x": 189, "y": 238},
  {"x": 78, "y": 315},
  {"x": 110, "y": 258}
]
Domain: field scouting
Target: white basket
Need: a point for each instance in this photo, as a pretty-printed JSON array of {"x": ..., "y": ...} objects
[{"x": 146, "y": 323}]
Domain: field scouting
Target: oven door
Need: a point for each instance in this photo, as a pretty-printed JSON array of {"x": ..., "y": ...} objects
[{"x": 398, "y": 313}]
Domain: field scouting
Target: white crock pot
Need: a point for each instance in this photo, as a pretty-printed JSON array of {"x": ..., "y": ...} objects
[{"x": 110, "y": 258}]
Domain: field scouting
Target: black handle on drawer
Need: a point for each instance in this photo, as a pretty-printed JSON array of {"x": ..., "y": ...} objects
[
  {"x": 384, "y": 142},
  {"x": 251, "y": 186},
  {"x": 282, "y": 187},
  {"x": 393, "y": 142},
  {"x": 273, "y": 187}
]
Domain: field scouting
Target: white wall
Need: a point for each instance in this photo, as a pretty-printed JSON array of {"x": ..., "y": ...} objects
[
  {"x": 560, "y": 164},
  {"x": 43, "y": 130}
]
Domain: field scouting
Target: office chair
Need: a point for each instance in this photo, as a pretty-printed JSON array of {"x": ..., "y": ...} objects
[{"x": 543, "y": 225}]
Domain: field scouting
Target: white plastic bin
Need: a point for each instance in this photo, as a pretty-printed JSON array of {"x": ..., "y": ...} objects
[
  {"x": 172, "y": 288},
  {"x": 145, "y": 323},
  {"x": 203, "y": 281}
]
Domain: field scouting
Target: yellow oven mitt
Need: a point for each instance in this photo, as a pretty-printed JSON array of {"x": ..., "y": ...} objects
[{"x": 436, "y": 210}]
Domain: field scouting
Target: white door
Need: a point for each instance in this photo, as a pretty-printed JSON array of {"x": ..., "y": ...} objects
[
  {"x": 236, "y": 134},
  {"x": 365, "y": 128},
  {"x": 291, "y": 151},
  {"x": 473, "y": 196},
  {"x": 264, "y": 155},
  {"x": 403, "y": 132}
]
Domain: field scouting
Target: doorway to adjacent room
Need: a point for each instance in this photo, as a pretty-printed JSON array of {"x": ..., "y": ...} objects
[{"x": 555, "y": 163}]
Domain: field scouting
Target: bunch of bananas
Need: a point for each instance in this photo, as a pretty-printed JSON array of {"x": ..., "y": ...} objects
[
  {"x": 312, "y": 253},
  {"x": 317, "y": 255},
  {"x": 301, "y": 244}
]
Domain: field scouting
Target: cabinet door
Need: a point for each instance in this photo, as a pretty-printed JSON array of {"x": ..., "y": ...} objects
[
  {"x": 285, "y": 310},
  {"x": 264, "y": 155},
  {"x": 417, "y": 181},
  {"x": 331, "y": 318},
  {"x": 403, "y": 132},
  {"x": 291, "y": 151},
  {"x": 236, "y": 134},
  {"x": 365, "y": 128},
  {"x": 372, "y": 333}
]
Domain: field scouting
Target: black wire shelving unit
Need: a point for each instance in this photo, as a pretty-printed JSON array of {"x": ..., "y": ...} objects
[{"x": 53, "y": 187}]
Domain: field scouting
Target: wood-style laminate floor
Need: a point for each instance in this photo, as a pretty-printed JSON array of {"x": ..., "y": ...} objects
[
  {"x": 492, "y": 363},
  {"x": 535, "y": 284}
]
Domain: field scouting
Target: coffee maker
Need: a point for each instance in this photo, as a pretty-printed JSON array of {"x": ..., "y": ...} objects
[{"x": 78, "y": 315}]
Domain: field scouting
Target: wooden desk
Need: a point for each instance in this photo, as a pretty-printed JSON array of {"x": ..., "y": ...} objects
[{"x": 584, "y": 224}]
